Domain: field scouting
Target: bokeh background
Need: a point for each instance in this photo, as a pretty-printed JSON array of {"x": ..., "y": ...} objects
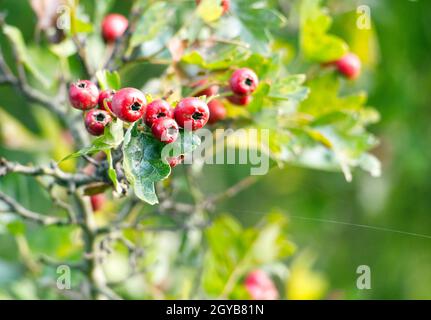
[{"x": 384, "y": 222}]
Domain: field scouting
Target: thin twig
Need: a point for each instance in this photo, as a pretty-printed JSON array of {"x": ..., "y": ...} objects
[
  {"x": 61, "y": 177},
  {"x": 14, "y": 207},
  {"x": 230, "y": 192}
]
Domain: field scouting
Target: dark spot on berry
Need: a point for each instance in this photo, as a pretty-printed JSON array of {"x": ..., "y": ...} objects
[
  {"x": 249, "y": 81},
  {"x": 136, "y": 106},
  {"x": 197, "y": 115},
  {"x": 81, "y": 85},
  {"x": 100, "y": 117},
  {"x": 161, "y": 115}
]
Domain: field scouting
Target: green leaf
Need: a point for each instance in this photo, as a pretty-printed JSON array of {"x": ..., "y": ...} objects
[
  {"x": 112, "y": 138},
  {"x": 142, "y": 163},
  {"x": 154, "y": 20},
  {"x": 77, "y": 22},
  {"x": 324, "y": 97},
  {"x": 328, "y": 131},
  {"x": 257, "y": 104},
  {"x": 257, "y": 22},
  {"x": 15, "y": 37},
  {"x": 64, "y": 49},
  {"x": 316, "y": 44},
  {"x": 16, "y": 227},
  {"x": 217, "y": 59},
  {"x": 108, "y": 79},
  {"x": 289, "y": 88}
]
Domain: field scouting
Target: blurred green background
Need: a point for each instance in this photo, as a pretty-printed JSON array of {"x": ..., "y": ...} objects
[
  {"x": 322, "y": 205},
  {"x": 375, "y": 222}
]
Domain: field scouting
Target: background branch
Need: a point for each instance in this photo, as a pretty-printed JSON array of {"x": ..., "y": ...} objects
[
  {"x": 61, "y": 177},
  {"x": 14, "y": 207}
]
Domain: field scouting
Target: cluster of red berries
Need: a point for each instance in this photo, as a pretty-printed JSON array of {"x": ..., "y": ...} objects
[
  {"x": 242, "y": 83},
  {"x": 130, "y": 105}
]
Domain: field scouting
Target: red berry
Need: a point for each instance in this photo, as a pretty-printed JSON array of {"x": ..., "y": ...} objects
[
  {"x": 217, "y": 111},
  {"x": 260, "y": 286},
  {"x": 174, "y": 161},
  {"x": 96, "y": 120},
  {"x": 243, "y": 81},
  {"x": 106, "y": 96},
  {"x": 191, "y": 113},
  {"x": 224, "y": 3},
  {"x": 83, "y": 95},
  {"x": 113, "y": 26},
  {"x": 240, "y": 100},
  {"x": 129, "y": 104},
  {"x": 97, "y": 201},
  {"x": 349, "y": 66},
  {"x": 210, "y": 90},
  {"x": 165, "y": 129},
  {"x": 156, "y": 110}
]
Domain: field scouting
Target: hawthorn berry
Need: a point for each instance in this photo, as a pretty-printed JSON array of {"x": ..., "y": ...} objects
[
  {"x": 129, "y": 104},
  {"x": 224, "y": 3},
  {"x": 260, "y": 286},
  {"x": 165, "y": 129},
  {"x": 243, "y": 81},
  {"x": 97, "y": 201},
  {"x": 191, "y": 113},
  {"x": 349, "y": 66},
  {"x": 210, "y": 90},
  {"x": 96, "y": 120},
  {"x": 83, "y": 95},
  {"x": 156, "y": 110},
  {"x": 113, "y": 26},
  {"x": 217, "y": 111},
  {"x": 240, "y": 100},
  {"x": 106, "y": 96}
]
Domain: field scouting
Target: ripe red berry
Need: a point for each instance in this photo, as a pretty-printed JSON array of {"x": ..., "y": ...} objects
[
  {"x": 191, "y": 113},
  {"x": 240, "y": 100},
  {"x": 113, "y": 26},
  {"x": 349, "y": 66},
  {"x": 106, "y": 96},
  {"x": 97, "y": 201},
  {"x": 165, "y": 129},
  {"x": 156, "y": 110},
  {"x": 224, "y": 3},
  {"x": 210, "y": 90},
  {"x": 260, "y": 286},
  {"x": 129, "y": 104},
  {"x": 83, "y": 95},
  {"x": 243, "y": 81},
  {"x": 217, "y": 111},
  {"x": 96, "y": 120}
]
